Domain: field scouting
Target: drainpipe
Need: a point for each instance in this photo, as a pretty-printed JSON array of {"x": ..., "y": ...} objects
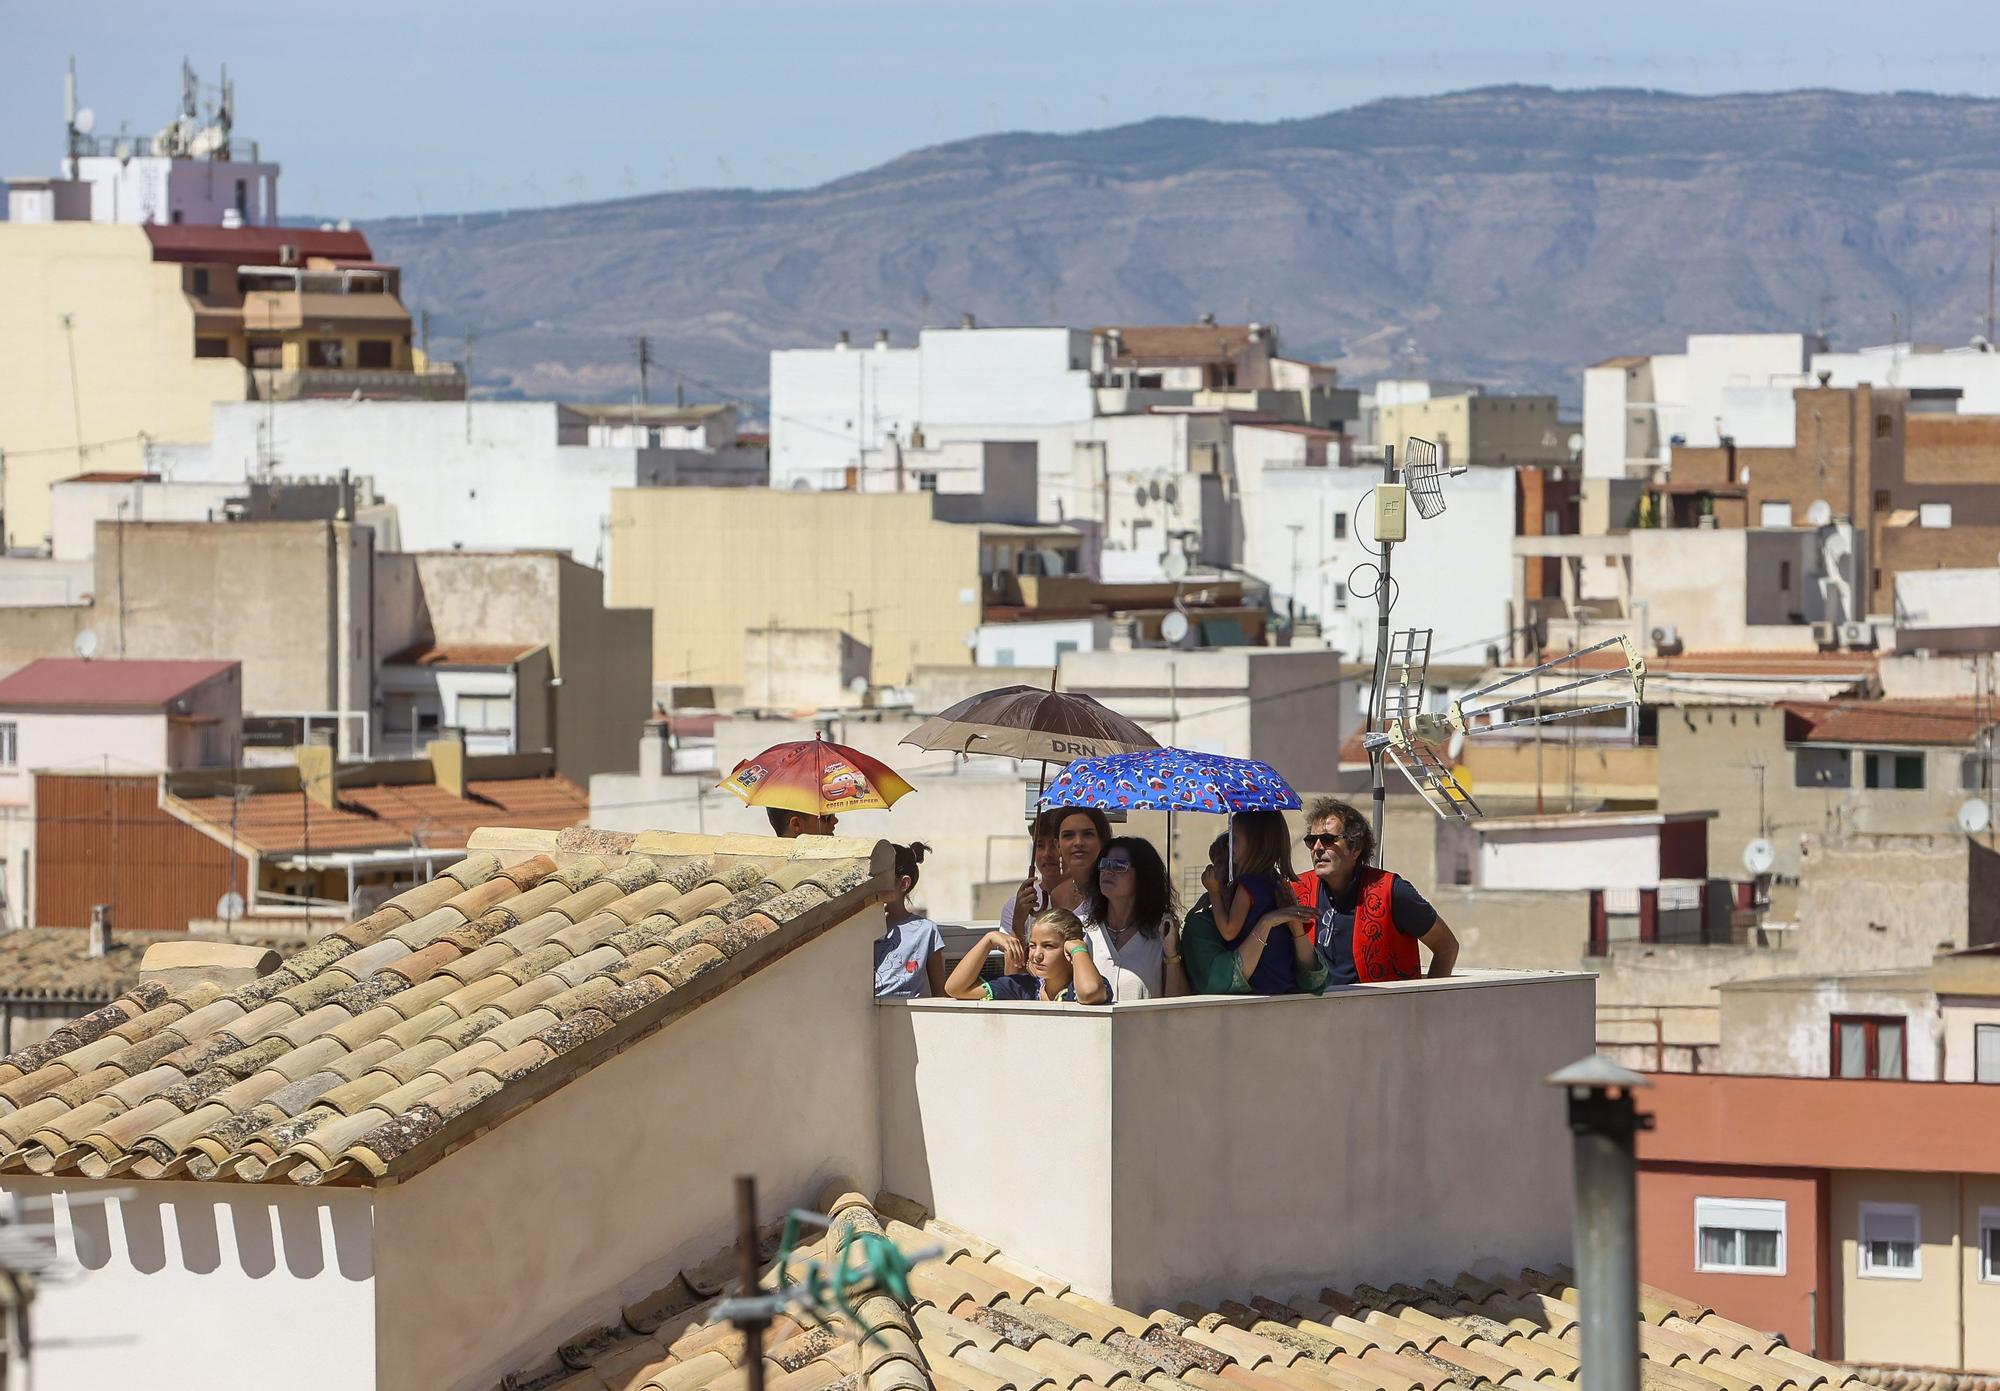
[{"x": 1605, "y": 1122}]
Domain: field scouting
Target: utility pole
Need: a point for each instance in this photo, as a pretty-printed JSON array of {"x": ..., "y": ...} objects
[
  {"x": 424, "y": 338},
  {"x": 642, "y": 348},
  {"x": 1378, "y": 691},
  {"x": 1292, "y": 601}
]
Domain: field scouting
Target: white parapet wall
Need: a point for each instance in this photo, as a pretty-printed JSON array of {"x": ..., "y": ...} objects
[{"x": 1197, "y": 1148}]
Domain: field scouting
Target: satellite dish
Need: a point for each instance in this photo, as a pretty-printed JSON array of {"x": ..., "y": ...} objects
[
  {"x": 229, "y": 907},
  {"x": 971, "y": 639},
  {"x": 1746, "y": 475},
  {"x": 1142, "y": 495},
  {"x": 1819, "y": 514},
  {"x": 1171, "y": 494},
  {"x": 1758, "y": 856},
  {"x": 1174, "y": 566},
  {"x": 1974, "y": 817},
  {"x": 1575, "y": 443},
  {"x": 858, "y": 686},
  {"x": 123, "y": 150},
  {"x": 1153, "y": 490},
  {"x": 86, "y": 121},
  {"x": 1174, "y": 627},
  {"x": 85, "y": 645}
]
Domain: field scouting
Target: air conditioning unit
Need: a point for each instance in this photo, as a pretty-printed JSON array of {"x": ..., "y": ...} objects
[
  {"x": 1665, "y": 636},
  {"x": 1857, "y": 635},
  {"x": 1824, "y": 634}
]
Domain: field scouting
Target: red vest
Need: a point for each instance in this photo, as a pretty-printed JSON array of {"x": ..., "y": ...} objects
[{"x": 1380, "y": 951}]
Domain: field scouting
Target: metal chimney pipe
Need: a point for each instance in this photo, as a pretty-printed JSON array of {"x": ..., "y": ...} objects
[{"x": 1604, "y": 1120}]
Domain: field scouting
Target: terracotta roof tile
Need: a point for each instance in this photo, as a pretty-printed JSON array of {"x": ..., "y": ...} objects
[
  {"x": 965, "y": 1330},
  {"x": 1947, "y": 723},
  {"x": 462, "y": 654},
  {"x": 352, "y": 1063},
  {"x": 376, "y": 818}
]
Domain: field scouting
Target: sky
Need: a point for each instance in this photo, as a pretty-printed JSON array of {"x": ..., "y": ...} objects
[{"x": 432, "y": 106}]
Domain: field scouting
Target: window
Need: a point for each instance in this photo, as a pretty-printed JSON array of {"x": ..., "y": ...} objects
[
  {"x": 1969, "y": 769},
  {"x": 1882, "y": 427},
  {"x": 486, "y": 714},
  {"x": 326, "y": 352},
  {"x": 1339, "y": 595},
  {"x": 9, "y": 747},
  {"x": 1784, "y": 574},
  {"x": 201, "y": 280},
  {"x": 1989, "y": 1244},
  {"x": 1986, "y": 1052},
  {"x": 267, "y": 355},
  {"x": 1891, "y": 1244},
  {"x": 1822, "y": 768},
  {"x": 927, "y": 482},
  {"x": 377, "y": 353},
  {"x": 1903, "y": 771},
  {"x": 243, "y": 197},
  {"x": 1868, "y": 1045},
  {"x": 1881, "y": 499},
  {"x": 1934, "y": 514},
  {"x": 211, "y": 347},
  {"x": 1739, "y": 1236},
  {"x": 1340, "y": 526},
  {"x": 1774, "y": 514}
]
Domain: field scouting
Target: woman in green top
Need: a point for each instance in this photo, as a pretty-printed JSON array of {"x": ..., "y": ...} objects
[{"x": 1215, "y": 967}]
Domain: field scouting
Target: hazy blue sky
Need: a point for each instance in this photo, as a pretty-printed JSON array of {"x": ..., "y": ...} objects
[{"x": 377, "y": 108}]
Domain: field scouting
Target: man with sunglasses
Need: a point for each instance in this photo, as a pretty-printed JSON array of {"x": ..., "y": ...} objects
[{"x": 1369, "y": 921}]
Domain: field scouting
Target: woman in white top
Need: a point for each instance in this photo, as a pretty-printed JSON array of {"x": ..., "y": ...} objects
[{"x": 1132, "y": 925}]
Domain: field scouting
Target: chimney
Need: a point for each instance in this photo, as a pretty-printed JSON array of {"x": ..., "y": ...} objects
[
  {"x": 447, "y": 756},
  {"x": 841, "y": 341},
  {"x": 317, "y": 767},
  {"x": 100, "y": 929},
  {"x": 967, "y": 321},
  {"x": 881, "y": 340}
]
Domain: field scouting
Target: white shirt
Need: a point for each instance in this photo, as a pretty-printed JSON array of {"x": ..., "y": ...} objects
[{"x": 1137, "y": 971}]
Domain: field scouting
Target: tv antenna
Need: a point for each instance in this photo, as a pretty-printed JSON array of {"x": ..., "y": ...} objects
[
  {"x": 1411, "y": 737},
  {"x": 1421, "y": 481}
]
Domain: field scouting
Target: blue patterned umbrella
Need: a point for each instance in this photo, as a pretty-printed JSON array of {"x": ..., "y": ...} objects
[{"x": 1171, "y": 780}]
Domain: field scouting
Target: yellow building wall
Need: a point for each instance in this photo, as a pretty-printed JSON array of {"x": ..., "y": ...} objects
[
  {"x": 1443, "y": 420},
  {"x": 1888, "y": 1319},
  {"x": 135, "y": 368},
  {"x": 1589, "y": 772},
  {"x": 1982, "y": 1297},
  {"x": 713, "y": 562}
]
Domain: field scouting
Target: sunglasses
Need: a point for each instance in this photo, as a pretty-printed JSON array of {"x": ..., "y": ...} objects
[
  {"x": 1316, "y": 840},
  {"x": 1115, "y": 867}
]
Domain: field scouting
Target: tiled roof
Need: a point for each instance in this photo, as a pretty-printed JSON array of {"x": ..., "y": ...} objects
[
  {"x": 391, "y": 816},
  {"x": 106, "y": 476},
  {"x": 54, "y": 963},
  {"x": 1179, "y": 342},
  {"x": 979, "y": 1321},
  {"x": 75, "y": 681},
  {"x": 1948, "y": 723},
  {"x": 394, "y": 1040},
  {"x": 463, "y": 654},
  {"x": 250, "y": 246}
]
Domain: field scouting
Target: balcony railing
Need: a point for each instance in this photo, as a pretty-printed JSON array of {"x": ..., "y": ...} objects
[{"x": 434, "y": 383}]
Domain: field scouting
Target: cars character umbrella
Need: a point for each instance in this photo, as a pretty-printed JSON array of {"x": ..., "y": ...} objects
[{"x": 817, "y": 778}]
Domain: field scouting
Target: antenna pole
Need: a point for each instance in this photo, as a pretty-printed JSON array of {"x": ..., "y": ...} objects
[
  {"x": 1378, "y": 693},
  {"x": 1992, "y": 264}
]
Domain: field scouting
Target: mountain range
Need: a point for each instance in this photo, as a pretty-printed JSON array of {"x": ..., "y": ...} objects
[{"x": 1508, "y": 235}]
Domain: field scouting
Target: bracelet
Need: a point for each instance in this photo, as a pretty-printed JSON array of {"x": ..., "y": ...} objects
[
  {"x": 1171, "y": 960},
  {"x": 1075, "y": 947}
]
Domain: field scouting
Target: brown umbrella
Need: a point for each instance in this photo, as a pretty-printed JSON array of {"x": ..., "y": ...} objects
[{"x": 1026, "y": 722}]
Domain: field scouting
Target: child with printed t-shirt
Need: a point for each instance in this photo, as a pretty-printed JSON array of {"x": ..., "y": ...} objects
[{"x": 909, "y": 955}]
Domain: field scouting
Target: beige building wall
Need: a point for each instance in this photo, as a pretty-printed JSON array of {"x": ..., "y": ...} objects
[
  {"x": 1963, "y": 1017},
  {"x": 1891, "y": 1319},
  {"x": 135, "y": 372},
  {"x": 1484, "y": 430},
  {"x": 608, "y": 1186},
  {"x": 1446, "y": 421},
  {"x": 713, "y": 562},
  {"x": 1782, "y": 1027},
  {"x": 1979, "y": 1204}
]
